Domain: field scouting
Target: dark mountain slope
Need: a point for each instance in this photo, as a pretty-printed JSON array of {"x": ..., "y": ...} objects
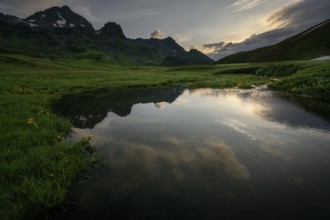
[
  {"x": 111, "y": 30},
  {"x": 312, "y": 43},
  {"x": 166, "y": 47},
  {"x": 174, "y": 54}
]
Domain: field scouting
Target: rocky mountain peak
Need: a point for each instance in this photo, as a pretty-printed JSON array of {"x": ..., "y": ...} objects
[
  {"x": 59, "y": 17},
  {"x": 112, "y": 30}
]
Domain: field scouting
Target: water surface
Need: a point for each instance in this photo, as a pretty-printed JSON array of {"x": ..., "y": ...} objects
[{"x": 174, "y": 153}]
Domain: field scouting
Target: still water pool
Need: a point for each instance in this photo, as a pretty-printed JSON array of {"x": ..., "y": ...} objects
[{"x": 175, "y": 153}]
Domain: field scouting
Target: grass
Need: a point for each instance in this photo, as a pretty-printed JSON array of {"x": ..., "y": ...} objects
[
  {"x": 37, "y": 168},
  {"x": 313, "y": 80}
]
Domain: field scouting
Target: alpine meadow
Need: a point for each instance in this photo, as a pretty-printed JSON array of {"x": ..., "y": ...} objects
[{"x": 99, "y": 125}]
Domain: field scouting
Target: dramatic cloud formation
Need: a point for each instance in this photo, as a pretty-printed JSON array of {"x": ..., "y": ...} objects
[
  {"x": 222, "y": 49},
  {"x": 288, "y": 21},
  {"x": 158, "y": 34},
  {"x": 302, "y": 14}
]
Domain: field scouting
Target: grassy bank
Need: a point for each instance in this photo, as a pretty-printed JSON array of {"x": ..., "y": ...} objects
[
  {"x": 37, "y": 167},
  {"x": 312, "y": 80}
]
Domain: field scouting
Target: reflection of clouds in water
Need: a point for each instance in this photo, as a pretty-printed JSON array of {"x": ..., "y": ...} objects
[
  {"x": 238, "y": 126},
  {"x": 212, "y": 156},
  {"x": 233, "y": 101},
  {"x": 253, "y": 100},
  {"x": 181, "y": 101},
  {"x": 140, "y": 156},
  {"x": 172, "y": 140},
  {"x": 238, "y": 94},
  {"x": 77, "y": 134},
  {"x": 256, "y": 108},
  {"x": 207, "y": 92},
  {"x": 251, "y": 132},
  {"x": 161, "y": 105},
  {"x": 97, "y": 139},
  {"x": 219, "y": 154},
  {"x": 106, "y": 121},
  {"x": 275, "y": 152}
]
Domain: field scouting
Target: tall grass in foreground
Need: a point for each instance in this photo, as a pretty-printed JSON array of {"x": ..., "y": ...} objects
[{"x": 36, "y": 167}]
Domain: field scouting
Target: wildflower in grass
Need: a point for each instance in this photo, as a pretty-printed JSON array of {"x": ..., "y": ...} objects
[{"x": 31, "y": 121}]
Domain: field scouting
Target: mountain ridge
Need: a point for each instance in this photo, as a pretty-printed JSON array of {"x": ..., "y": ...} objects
[{"x": 60, "y": 32}]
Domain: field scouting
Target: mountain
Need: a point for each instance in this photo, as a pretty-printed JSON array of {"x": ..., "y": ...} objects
[
  {"x": 58, "y": 32},
  {"x": 174, "y": 54},
  {"x": 10, "y": 19},
  {"x": 57, "y": 17},
  {"x": 111, "y": 30},
  {"x": 310, "y": 44},
  {"x": 166, "y": 47}
]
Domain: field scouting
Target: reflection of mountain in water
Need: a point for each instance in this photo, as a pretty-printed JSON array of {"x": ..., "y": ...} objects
[{"x": 89, "y": 108}]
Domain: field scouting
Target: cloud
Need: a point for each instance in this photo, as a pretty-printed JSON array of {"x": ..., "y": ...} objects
[
  {"x": 158, "y": 34},
  {"x": 26, "y": 8},
  {"x": 216, "y": 46},
  {"x": 182, "y": 38},
  {"x": 286, "y": 22},
  {"x": 222, "y": 49},
  {"x": 301, "y": 14},
  {"x": 241, "y": 5}
]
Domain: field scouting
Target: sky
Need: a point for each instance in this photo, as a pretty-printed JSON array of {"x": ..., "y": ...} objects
[{"x": 215, "y": 27}]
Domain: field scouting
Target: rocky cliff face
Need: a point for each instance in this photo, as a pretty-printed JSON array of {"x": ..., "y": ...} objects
[
  {"x": 59, "y": 17},
  {"x": 112, "y": 30}
]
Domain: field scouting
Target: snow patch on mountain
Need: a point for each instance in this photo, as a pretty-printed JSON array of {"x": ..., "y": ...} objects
[
  {"x": 61, "y": 23},
  {"x": 62, "y": 20},
  {"x": 33, "y": 25},
  {"x": 17, "y": 21}
]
